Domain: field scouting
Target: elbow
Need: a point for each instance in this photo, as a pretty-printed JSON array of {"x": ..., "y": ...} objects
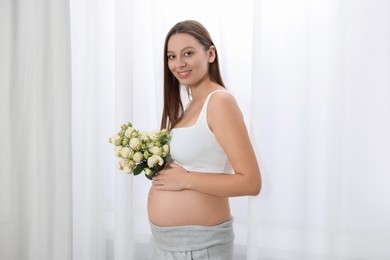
[
  {"x": 251, "y": 189},
  {"x": 255, "y": 187},
  {"x": 255, "y": 190},
  {"x": 251, "y": 186}
]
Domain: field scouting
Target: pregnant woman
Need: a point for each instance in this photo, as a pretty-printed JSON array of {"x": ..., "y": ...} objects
[{"x": 212, "y": 156}]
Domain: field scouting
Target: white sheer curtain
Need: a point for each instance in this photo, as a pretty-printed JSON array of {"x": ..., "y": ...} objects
[
  {"x": 323, "y": 91},
  {"x": 35, "y": 132},
  {"x": 312, "y": 79}
]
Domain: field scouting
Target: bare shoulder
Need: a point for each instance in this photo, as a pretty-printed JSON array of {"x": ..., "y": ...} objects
[
  {"x": 223, "y": 110},
  {"x": 222, "y": 100}
]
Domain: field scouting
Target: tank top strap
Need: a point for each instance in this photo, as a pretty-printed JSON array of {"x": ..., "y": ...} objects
[{"x": 203, "y": 112}]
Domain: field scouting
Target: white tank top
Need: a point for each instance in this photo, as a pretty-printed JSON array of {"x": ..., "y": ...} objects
[{"x": 196, "y": 149}]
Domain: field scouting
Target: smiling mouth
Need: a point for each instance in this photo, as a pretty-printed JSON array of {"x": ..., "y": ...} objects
[{"x": 184, "y": 74}]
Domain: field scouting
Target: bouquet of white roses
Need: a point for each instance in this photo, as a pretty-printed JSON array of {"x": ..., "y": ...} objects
[{"x": 141, "y": 151}]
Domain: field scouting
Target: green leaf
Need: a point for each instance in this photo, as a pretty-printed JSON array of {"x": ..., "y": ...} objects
[
  {"x": 149, "y": 177},
  {"x": 139, "y": 168}
]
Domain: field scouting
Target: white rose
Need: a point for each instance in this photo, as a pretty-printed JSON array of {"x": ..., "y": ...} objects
[
  {"x": 131, "y": 164},
  {"x": 135, "y": 144},
  {"x": 148, "y": 171},
  {"x": 115, "y": 139},
  {"x": 144, "y": 136},
  {"x": 137, "y": 157},
  {"x": 129, "y": 131},
  {"x": 128, "y": 167},
  {"x": 127, "y": 152},
  {"x": 156, "y": 150},
  {"x": 117, "y": 150},
  {"x": 122, "y": 163},
  {"x": 155, "y": 159},
  {"x": 153, "y": 135},
  {"x": 120, "y": 167},
  {"x": 165, "y": 148}
]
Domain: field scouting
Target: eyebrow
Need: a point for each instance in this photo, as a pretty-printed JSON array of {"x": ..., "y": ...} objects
[{"x": 188, "y": 47}]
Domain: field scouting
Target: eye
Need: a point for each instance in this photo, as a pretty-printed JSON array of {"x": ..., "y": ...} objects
[
  {"x": 188, "y": 53},
  {"x": 171, "y": 57}
]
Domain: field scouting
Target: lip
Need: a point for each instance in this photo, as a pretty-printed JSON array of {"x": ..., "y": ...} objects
[{"x": 183, "y": 74}]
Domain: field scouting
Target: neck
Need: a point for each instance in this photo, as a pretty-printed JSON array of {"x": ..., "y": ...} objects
[{"x": 202, "y": 90}]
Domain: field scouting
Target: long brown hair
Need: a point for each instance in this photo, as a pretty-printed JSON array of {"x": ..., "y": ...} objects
[{"x": 173, "y": 108}]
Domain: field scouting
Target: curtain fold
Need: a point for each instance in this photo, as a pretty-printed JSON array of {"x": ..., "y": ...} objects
[
  {"x": 93, "y": 78},
  {"x": 123, "y": 112},
  {"x": 255, "y": 130},
  {"x": 35, "y": 139}
]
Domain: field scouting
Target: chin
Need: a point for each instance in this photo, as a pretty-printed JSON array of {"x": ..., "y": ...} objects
[{"x": 185, "y": 82}]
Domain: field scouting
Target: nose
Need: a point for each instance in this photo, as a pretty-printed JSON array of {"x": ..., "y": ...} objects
[{"x": 180, "y": 63}]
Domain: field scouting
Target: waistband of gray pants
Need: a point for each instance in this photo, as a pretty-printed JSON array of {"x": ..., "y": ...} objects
[{"x": 192, "y": 237}]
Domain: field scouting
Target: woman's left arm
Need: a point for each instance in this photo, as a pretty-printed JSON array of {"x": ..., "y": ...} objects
[{"x": 226, "y": 121}]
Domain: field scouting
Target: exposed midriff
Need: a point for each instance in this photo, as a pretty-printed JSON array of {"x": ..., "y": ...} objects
[{"x": 187, "y": 207}]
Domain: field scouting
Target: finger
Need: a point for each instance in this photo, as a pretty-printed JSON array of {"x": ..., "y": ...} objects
[
  {"x": 177, "y": 166},
  {"x": 158, "y": 182},
  {"x": 161, "y": 172}
]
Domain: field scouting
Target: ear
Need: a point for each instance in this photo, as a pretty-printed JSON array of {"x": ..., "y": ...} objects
[{"x": 212, "y": 54}]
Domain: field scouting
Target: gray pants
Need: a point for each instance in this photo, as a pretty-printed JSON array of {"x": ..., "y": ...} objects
[{"x": 192, "y": 242}]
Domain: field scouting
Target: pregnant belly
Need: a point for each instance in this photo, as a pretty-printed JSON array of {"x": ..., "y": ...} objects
[{"x": 178, "y": 208}]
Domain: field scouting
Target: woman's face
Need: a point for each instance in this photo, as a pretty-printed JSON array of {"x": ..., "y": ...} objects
[{"x": 187, "y": 59}]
